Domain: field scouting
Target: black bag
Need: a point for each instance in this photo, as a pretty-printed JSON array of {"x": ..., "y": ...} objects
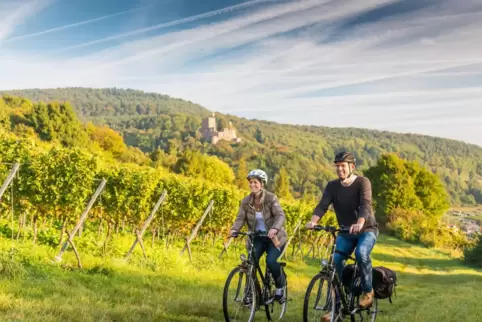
[
  {"x": 347, "y": 279},
  {"x": 384, "y": 282}
]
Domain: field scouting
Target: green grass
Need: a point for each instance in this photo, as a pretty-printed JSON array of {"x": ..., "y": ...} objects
[{"x": 166, "y": 287}]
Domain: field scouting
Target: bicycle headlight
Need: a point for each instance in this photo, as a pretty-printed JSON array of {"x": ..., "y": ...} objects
[
  {"x": 324, "y": 262},
  {"x": 243, "y": 257}
]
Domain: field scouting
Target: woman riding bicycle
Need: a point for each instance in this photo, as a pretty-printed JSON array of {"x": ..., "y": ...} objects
[{"x": 262, "y": 211}]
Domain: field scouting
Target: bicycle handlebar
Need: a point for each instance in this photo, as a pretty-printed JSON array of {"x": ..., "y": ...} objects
[
  {"x": 332, "y": 229},
  {"x": 250, "y": 233}
]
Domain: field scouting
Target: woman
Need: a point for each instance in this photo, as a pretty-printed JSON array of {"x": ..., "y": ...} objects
[{"x": 262, "y": 211}]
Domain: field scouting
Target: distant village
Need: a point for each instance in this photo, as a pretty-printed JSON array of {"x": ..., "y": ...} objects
[{"x": 467, "y": 222}]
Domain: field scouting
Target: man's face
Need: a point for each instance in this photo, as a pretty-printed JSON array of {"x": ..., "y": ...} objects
[{"x": 343, "y": 169}]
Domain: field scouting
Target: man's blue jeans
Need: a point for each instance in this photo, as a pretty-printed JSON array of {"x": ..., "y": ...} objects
[{"x": 364, "y": 243}]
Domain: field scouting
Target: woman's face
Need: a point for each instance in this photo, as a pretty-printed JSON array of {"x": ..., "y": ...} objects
[{"x": 255, "y": 185}]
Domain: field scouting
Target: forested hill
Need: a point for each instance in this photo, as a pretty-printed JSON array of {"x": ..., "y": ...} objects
[
  {"x": 153, "y": 121},
  {"x": 90, "y": 102}
]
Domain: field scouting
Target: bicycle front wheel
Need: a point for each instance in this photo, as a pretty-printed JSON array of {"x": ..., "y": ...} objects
[
  {"x": 239, "y": 297},
  {"x": 320, "y": 300}
]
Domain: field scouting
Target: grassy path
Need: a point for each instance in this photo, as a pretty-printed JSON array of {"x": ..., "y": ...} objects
[{"x": 166, "y": 287}]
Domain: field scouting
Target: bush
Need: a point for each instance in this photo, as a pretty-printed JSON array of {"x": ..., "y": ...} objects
[
  {"x": 473, "y": 253},
  {"x": 415, "y": 226}
]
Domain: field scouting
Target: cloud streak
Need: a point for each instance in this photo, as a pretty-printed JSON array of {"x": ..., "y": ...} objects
[
  {"x": 11, "y": 19},
  {"x": 73, "y": 25},
  {"x": 173, "y": 23}
]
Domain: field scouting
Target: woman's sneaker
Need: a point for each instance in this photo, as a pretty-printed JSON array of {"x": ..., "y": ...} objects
[{"x": 279, "y": 295}]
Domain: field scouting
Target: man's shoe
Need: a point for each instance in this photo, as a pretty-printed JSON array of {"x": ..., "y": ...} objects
[
  {"x": 366, "y": 299},
  {"x": 326, "y": 318}
]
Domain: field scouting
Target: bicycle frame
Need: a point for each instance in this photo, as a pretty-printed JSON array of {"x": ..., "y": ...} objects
[
  {"x": 328, "y": 267},
  {"x": 251, "y": 262}
]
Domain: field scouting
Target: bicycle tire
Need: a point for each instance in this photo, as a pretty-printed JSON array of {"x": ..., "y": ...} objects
[
  {"x": 306, "y": 309},
  {"x": 252, "y": 289}
]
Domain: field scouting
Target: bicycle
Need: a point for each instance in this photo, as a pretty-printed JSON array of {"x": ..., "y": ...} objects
[
  {"x": 336, "y": 291},
  {"x": 250, "y": 297}
]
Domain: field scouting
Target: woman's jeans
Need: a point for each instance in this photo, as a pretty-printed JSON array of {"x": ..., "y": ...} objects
[
  {"x": 262, "y": 244},
  {"x": 364, "y": 243}
]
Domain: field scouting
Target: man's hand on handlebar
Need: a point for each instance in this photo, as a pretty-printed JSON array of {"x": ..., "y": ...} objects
[
  {"x": 356, "y": 228},
  {"x": 233, "y": 234},
  {"x": 310, "y": 225}
]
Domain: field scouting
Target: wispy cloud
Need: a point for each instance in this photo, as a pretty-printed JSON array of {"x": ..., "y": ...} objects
[
  {"x": 16, "y": 12},
  {"x": 334, "y": 63},
  {"x": 169, "y": 24},
  {"x": 77, "y": 24}
]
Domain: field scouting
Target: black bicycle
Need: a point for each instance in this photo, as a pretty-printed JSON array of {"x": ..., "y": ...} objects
[
  {"x": 243, "y": 292},
  {"x": 327, "y": 294}
]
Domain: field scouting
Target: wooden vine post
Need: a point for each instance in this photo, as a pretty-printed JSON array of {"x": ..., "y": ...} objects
[
  {"x": 71, "y": 235},
  {"x": 144, "y": 227},
  {"x": 289, "y": 240},
  {"x": 9, "y": 179},
  {"x": 198, "y": 225}
]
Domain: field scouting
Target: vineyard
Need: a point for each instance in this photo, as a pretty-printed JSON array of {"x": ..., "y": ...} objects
[{"x": 50, "y": 188}]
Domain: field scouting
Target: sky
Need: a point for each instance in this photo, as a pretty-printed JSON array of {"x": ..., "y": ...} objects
[{"x": 410, "y": 66}]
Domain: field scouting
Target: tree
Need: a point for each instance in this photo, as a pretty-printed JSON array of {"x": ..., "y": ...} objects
[
  {"x": 282, "y": 185},
  {"x": 241, "y": 175},
  {"x": 392, "y": 186},
  {"x": 59, "y": 122},
  {"x": 195, "y": 164},
  {"x": 108, "y": 139}
]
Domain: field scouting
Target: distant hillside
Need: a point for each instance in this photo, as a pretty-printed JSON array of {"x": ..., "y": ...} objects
[
  {"x": 151, "y": 121},
  {"x": 113, "y": 102}
]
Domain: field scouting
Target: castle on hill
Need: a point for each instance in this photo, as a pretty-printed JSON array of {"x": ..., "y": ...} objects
[{"x": 210, "y": 132}]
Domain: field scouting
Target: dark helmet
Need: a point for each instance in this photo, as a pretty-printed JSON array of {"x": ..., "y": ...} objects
[{"x": 345, "y": 157}]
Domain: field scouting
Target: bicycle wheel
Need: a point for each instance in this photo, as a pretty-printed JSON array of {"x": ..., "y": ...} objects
[
  {"x": 320, "y": 299},
  {"x": 274, "y": 309},
  {"x": 239, "y": 297}
]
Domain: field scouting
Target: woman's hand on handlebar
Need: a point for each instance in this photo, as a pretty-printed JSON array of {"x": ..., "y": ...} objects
[{"x": 272, "y": 232}]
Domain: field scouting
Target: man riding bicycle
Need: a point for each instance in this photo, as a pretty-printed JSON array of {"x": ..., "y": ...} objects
[
  {"x": 351, "y": 196},
  {"x": 261, "y": 211}
]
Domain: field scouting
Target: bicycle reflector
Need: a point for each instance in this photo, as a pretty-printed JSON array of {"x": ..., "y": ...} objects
[{"x": 243, "y": 257}]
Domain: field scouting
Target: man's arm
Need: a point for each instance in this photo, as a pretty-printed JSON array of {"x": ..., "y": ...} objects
[
  {"x": 365, "y": 199},
  {"x": 365, "y": 205},
  {"x": 322, "y": 206}
]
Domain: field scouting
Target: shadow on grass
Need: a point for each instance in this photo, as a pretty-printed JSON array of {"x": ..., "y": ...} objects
[{"x": 432, "y": 263}]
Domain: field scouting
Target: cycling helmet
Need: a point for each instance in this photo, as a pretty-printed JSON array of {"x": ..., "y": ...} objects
[
  {"x": 345, "y": 157},
  {"x": 258, "y": 174}
]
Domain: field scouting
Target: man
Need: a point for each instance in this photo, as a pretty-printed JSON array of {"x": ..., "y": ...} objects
[{"x": 351, "y": 197}]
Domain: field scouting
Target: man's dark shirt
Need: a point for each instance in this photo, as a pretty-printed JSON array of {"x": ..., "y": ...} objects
[{"x": 350, "y": 203}]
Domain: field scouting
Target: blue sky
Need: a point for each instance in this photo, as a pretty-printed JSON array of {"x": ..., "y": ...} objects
[{"x": 407, "y": 66}]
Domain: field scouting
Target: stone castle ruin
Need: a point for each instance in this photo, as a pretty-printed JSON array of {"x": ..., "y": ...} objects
[{"x": 210, "y": 132}]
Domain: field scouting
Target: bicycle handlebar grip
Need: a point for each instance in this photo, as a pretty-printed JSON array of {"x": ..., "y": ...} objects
[{"x": 276, "y": 241}]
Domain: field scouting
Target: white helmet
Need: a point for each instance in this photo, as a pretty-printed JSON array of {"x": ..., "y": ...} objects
[{"x": 258, "y": 174}]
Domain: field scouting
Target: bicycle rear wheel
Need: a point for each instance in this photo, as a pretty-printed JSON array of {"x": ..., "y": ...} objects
[
  {"x": 274, "y": 309},
  {"x": 239, "y": 297},
  {"x": 320, "y": 300}
]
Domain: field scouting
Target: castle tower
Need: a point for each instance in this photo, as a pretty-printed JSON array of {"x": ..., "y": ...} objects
[{"x": 209, "y": 124}]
